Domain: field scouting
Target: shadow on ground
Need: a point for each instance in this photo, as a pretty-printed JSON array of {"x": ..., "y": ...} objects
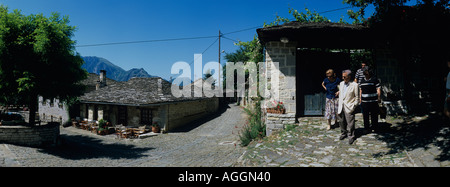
[
  {"x": 78, "y": 147},
  {"x": 409, "y": 135}
]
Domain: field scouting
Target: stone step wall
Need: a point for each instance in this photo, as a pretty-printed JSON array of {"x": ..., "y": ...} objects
[
  {"x": 37, "y": 136},
  {"x": 275, "y": 122}
]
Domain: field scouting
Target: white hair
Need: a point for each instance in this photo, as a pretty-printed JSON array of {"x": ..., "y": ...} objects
[{"x": 349, "y": 72}]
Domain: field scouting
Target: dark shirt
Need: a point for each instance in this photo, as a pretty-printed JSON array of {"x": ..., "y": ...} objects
[
  {"x": 369, "y": 89},
  {"x": 332, "y": 87}
]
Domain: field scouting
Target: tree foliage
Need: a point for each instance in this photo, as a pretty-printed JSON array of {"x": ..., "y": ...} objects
[
  {"x": 37, "y": 57},
  {"x": 385, "y": 8},
  {"x": 416, "y": 34}
]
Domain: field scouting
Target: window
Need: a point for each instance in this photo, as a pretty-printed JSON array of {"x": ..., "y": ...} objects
[{"x": 146, "y": 116}]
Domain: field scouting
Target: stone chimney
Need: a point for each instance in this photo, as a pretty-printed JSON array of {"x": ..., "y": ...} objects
[
  {"x": 160, "y": 89},
  {"x": 102, "y": 80},
  {"x": 160, "y": 86}
]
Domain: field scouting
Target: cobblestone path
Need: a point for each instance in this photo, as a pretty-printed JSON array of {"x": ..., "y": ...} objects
[
  {"x": 410, "y": 142},
  {"x": 213, "y": 142},
  {"x": 418, "y": 141}
]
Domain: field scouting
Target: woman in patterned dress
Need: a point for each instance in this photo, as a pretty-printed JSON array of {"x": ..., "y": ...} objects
[{"x": 330, "y": 84}]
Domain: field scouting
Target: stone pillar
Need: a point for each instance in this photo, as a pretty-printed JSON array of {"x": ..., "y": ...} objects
[{"x": 285, "y": 55}]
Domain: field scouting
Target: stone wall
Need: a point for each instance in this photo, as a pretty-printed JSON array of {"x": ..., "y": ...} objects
[
  {"x": 285, "y": 55},
  {"x": 184, "y": 112},
  {"x": 30, "y": 136},
  {"x": 276, "y": 122}
]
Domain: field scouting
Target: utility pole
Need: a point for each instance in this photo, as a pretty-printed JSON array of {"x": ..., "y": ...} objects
[
  {"x": 219, "y": 83},
  {"x": 220, "y": 35}
]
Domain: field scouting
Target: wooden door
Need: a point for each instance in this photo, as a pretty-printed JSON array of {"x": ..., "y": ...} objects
[{"x": 314, "y": 104}]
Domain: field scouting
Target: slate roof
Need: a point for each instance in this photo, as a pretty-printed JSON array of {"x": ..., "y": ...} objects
[
  {"x": 319, "y": 35},
  {"x": 135, "y": 92}
]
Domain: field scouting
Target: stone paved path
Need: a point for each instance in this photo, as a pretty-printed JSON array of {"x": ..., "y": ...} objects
[
  {"x": 214, "y": 142},
  {"x": 417, "y": 141}
]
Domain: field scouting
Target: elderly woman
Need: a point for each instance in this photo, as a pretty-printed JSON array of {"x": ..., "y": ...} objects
[{"x": 330, "y": 84}]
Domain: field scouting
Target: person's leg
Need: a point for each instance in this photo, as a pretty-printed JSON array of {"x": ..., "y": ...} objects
[
  {"x": 343, "y": 125},
  {"x": 366, "y": 112},
  {"x": 350, "y": 118},
  {"x": 336, "y": 105},
  {"x": 374, "y": 110},
  {"x": 328, "y": 112}
]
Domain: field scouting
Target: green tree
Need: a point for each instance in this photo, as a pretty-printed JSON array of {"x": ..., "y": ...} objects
[
  {"x": 416, "y": 34},
  {"x": 37, "y": 58},
  {"x": 383, "y": 8}
]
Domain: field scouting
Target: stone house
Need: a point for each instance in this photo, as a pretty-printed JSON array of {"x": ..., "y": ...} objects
[
  {"x": 302, "y": 68},
  {"x": 56, "y": 111},
  {"x": 52, "y": 110},
  {"x": 142, "y": 101}
]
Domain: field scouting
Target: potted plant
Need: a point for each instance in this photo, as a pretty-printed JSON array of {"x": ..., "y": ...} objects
[
  {"x": 277, "y": 108},
  {"x": 155, "y": 127},
  {"x": 102, "y": 128}
]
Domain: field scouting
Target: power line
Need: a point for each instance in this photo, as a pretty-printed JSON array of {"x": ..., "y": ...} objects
[
  {"x": 205, "y": 50},
  {"x": 334, "y": 10},
  {"x": 146, "y": 41},
  {"x": 259, "y": 26},
  {"x": 230, "y": 39},
  {"x": 210, "y": 45},
  {"x": 190, "y": 38},
  {"x": 242, "y": 30}
]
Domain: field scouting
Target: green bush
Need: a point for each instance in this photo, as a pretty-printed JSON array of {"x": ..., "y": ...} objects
[
  {"x": 102, "y": 125},
  {"x": 255, "y": 128}
]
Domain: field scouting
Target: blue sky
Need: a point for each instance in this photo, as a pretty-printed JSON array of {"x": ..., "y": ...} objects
[{"x": 109, "y": 21}]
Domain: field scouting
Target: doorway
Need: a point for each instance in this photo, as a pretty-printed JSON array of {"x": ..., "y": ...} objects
[
  {"x": 123, "y": 115},
  {"x": 310, "y": 73}
]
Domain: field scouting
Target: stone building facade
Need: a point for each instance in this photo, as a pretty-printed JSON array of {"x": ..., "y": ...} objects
[
  {"x": 301, "y": 70},
  {"x": 169, "y": 116},
  {"x": 143, "y": 101},
  {"x": 411, "y": 80},
  {"x": 137, "y": 102},
  {"x": 284, "y": 54},
  {"x": 52, "y": 110}
]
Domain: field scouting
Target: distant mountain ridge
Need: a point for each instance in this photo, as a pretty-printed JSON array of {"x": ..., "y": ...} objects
[{"x": 94, "y": 64}]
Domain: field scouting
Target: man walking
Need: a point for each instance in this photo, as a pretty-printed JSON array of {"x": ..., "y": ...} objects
[
  {"x": 370, "y": 97},
  {"x": 348, "y": 101}
]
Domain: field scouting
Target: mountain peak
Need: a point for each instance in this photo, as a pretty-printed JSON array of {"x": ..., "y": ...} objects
[{"x": 94, "y": 64}]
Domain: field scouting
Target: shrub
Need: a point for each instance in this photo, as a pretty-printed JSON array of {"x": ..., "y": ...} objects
[
  {"x": 101, "y": 125},
  {"x": 255, "y": 128}
]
